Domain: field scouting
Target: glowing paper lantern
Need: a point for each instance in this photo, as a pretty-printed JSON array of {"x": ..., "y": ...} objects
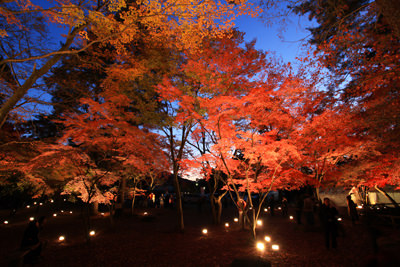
[
  {"x": 102, "y": 213},
  {"x": 267, "y": 238},
  {"x": 61, "y": 238},
  {"x": 236, "y": 219},
  {"x": 34, "y": 203},
  {"x": 41, "y": 204},
  {"x": 339, "y": 219},
  {"x": 359, "y": 207},
  {"x": 28, "y": 206},
  {"x": 51, "y": 201},
  {"x": 260, "y": 246},
  {"x": 205, "y": 231},
  {"x": 32, "y": 218},
  {"x": 92, "y": 233},
  {"x": 55, "y": 215},
  {"x": 265, "y": 209},
  {"x": 145, "y": 213},
  {"x": 259, "y": 222},
  {"x": 70, "y": 212},
  {"x": 5, "y": 222},
  {"x": 226, "y": 224},
  {"x": 291, "y": 217},
  {"x": 275, "y": 247}
]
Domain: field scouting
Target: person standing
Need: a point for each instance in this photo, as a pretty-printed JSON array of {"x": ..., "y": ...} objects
[
  {"x": 328, "y": 214},
  {"x": 308, "y": 209},
  {"x": 352, "y": 209},
  {"x": 30, "y": 241}
]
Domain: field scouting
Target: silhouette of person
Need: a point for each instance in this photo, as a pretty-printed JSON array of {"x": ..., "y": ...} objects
[
  {"x": 328, "y": 215},
  {"x": 30, "y": 241},
  {"x": 308, "y": 209},
  {"x": 352, "y": 209},
  {"x": 299, "y": 209},
  {"x": 284, "y": 207}
]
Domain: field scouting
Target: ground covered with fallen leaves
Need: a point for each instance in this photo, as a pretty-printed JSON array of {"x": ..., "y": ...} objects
[{"x": 153, "y": 240}]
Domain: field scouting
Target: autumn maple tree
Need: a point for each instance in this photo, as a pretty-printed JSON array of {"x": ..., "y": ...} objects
[
  {"x": 358, "y": 42},
  {"x": 243, "y": 102}
]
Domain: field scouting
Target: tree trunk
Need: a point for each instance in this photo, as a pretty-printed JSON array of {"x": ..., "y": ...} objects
[
  {"x": 179, "y": 202},
  {"x": 95, "y": 208},
  {"x": 213, "y": 202},
  {"x": 219, "y": 210}
]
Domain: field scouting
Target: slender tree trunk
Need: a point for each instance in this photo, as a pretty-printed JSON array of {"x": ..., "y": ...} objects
[
  {"x": 95, "y": 208},
  {"x": 179, "y": 202},
  {"x": 213, "y": 209}
]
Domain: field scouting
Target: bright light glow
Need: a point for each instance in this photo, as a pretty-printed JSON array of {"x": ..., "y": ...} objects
[
  {"x": 359, "y": 207},
  {"x": 226, "y": 224},
  {"x": 65, "y": 199},
  {"x": 259, "y": 222},
  {"x": 339, "y": 219},
  {"x": 275, "y": 247},
  {"x": 28, "y": 206},
  {"x": 279, "y": 208},
  {"x": 62, "y": 210},
  {"x": 291, "y": 217},
  {"x": 236, "y": 219},
  {"x": 70, "y": 212},
  {"x": 205, "y": 231},
  {"x": 5, "y": 222},
  {"x": 51, "y": 201},
  {"x": 260, "y": 246},
  {"x": 92, "y": 233},
  {"x": 61, "y": 238},
  {"x": 32, "y": 218},
  {"x": 267, "y": 238},
  {"x": 55, "y": 215},
  {"x": 145, "y": 213},
  {"x": 265, "y": 210},
  {"x": 34, "y": 203},
  {"x": 102, "y": 213},
  {"x": 40, "y": 203}
]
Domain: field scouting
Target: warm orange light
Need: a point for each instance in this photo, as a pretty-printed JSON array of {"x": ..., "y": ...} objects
[
  {"x": 265, "y": 210},
  {"x": 260, "y": 246},
  {"x": 28, "y": 206},
  {"x": 205, "y": 231},
  {"x": 259, "y": 222},
  {"x": 267, "y": 238},
  {"x": 92, "y": 233},
  {"x": 55, "y": 215},
  {"x": 291, "y": 217},
  {"x": 236, "y": 219},
  {"x": 5, "y": 222},
  {"x": 32, "y": 218},
  {"x": 61, "y": 238},
  {"x": 70, "y": 212},
  {"x": 145, "y": 213},
  {"x": 339, "y": 219},
  {"x": 226, "y": 224},
  {"x": 275, "y": 247}
]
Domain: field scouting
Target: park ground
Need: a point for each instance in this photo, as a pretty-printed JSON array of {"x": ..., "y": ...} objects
[{"x": 153, "y": 240}]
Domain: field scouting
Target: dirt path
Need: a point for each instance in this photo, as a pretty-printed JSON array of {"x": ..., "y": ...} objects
[{"x": 152, "y": 240}]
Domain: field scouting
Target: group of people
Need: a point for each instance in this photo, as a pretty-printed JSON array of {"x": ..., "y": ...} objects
[{"x": 327, "y": 213}]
